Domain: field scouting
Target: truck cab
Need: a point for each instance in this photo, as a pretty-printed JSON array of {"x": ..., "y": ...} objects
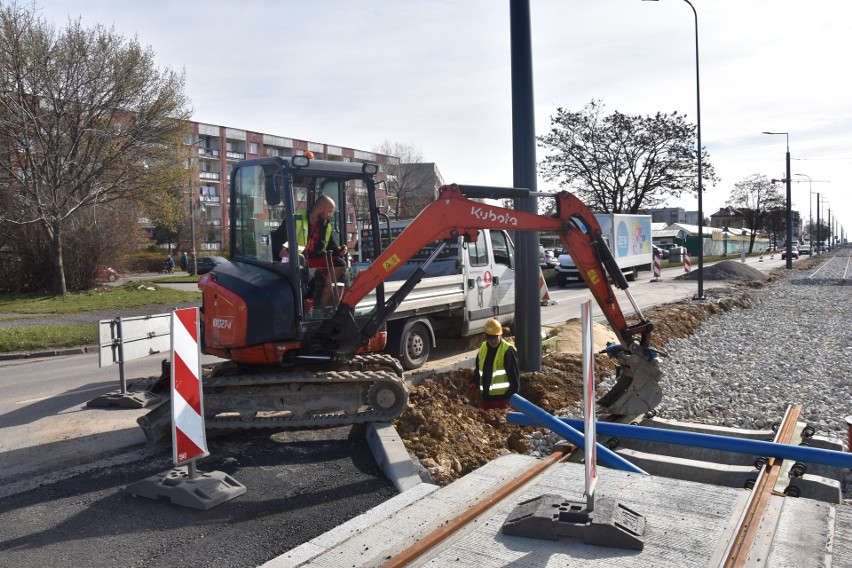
[{"x": 467, "y": 284}]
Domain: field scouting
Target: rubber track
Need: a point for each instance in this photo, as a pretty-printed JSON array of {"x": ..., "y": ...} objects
[{"x": 347, "y": 379}]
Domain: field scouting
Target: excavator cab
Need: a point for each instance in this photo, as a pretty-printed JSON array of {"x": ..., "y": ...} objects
[{"x": 260, "y": 305}]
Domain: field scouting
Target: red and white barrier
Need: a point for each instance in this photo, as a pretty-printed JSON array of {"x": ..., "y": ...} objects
[
  {"x": 543, "y": 293},
  {"x": 185, "y": 485},
  {"x": 591, "y": 457},
  {"x": 657, "y": 268},
  {"x": 687, "y": 262},
  {"x": 189, "y": 441}
]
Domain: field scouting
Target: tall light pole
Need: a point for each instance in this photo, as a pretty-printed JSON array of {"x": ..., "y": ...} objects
[
  {"x": 789, "y": 255},
  {"x": 810, "y": 210},
  {"x": 700, "y": 295},
  {"x": 818, "y": 228}
]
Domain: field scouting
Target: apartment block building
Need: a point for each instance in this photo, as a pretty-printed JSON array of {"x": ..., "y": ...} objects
[{"x": 214, "y": 151}]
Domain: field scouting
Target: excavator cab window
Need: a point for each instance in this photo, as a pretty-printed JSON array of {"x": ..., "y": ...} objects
[{"x": 254, "y": 217}]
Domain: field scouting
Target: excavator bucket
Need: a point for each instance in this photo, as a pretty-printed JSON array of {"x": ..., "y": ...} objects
[{"x": 637, "y": 387}]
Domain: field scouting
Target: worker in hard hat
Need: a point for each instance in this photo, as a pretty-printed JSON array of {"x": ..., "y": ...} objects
[{"x": 496, "y": 375}]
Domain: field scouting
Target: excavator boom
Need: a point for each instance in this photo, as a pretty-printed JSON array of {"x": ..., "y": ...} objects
[{"x": 453, "y": 215}]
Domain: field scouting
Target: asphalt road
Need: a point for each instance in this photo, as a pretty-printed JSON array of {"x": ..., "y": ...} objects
[{"x": 300, "y": 485}]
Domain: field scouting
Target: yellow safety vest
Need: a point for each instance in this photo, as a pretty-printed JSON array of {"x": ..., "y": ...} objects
[
  {"x": 499, "y": 377},
  {"x": 302, "y": 229}
]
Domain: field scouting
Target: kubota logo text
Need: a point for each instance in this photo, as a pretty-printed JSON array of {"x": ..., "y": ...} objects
[{"x": 487, "y": 215}]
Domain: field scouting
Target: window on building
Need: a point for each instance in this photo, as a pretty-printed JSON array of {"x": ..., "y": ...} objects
[{"x": 254, "y": 148}]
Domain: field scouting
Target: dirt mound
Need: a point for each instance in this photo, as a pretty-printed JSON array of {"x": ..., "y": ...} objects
[
  {"x": 451, "y": 437},
  {"x": 727, "y": 270}
]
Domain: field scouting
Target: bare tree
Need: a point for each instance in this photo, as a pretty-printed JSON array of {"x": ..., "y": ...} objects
[
  {"x": 404, "y": 180},
  {"x": 755, "y": 198},
  {"x": 86, "y": 119},
  {"x": 620, "y": 163}
]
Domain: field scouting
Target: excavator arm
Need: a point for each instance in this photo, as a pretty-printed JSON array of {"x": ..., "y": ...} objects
[{"x": 454, "y": 214}]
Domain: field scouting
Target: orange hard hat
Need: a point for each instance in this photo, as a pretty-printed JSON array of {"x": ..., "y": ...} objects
[
  {"x": 309, "y": 154},
  {"x": 493, "y": 327}
]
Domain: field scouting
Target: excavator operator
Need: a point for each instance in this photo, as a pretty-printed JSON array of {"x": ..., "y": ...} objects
[{"x": 315, "y": 240}]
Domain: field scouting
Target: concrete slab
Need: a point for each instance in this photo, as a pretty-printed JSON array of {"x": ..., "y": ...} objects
[
  {"x": 686, "y": 521},
  {"x": 841, "y": 541}
]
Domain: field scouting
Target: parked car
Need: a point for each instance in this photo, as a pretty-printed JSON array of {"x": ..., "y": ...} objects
[
  {"x": 107, "y": 274},
  {"x": 794, "y": 253},
  {"x": 207, "y": 263},
  {"x": 665, "y": 248},
  {"x": 804, "y": 249}
]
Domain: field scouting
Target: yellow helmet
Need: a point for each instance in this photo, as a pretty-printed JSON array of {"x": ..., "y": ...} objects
[{"x": 493, "y": 327}]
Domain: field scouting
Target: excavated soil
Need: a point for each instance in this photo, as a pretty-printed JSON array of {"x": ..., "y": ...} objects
[{"x": 451, "y": 436}]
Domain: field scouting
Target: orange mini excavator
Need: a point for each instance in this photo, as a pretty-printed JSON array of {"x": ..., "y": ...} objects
[{"x": 296, "y": 363}]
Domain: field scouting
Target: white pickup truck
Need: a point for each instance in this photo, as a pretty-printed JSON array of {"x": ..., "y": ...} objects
[
  {"x": 628, "y": 238},
  {"x": 464, "y": 287}
]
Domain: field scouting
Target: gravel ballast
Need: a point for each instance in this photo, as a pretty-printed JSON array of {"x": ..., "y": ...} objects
[
  {"x": 794, "y": 345},
  {"x": 743, "y": 367}
]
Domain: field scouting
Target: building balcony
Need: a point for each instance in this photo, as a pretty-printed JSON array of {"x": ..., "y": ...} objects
[
  {"x": 211, "y": 176},
  {"x": 210, "y": 199},
  {"x": 235, "y": 155},
  {"x": 208, "y": 153}
]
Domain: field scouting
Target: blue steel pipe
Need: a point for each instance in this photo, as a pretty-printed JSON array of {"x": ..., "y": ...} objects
[
  {"x": 802, "y": 454},
  {"x": 540, "y": 418}
]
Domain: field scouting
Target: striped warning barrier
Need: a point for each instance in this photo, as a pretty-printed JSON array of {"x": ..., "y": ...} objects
[
  {"x": 185, "y": 485},
  {"x": 189, "y": 441},
  {"x": 657, "y": 269},
  {"x": 543, "y": 293},
  {"x": 687, "y": 262}
]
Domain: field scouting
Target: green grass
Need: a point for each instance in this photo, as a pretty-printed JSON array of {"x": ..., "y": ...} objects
[
  {"x": 131, "y": 295},
  {"x": 38, "y": 338}
]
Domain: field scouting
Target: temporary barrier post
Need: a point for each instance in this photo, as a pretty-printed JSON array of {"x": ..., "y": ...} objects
[
  {"x": 185, "y": 485},
  {"x": 657, "y": 269}
]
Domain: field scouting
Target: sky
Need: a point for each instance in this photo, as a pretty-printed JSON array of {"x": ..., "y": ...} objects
[{"x": 436, "y": 74}]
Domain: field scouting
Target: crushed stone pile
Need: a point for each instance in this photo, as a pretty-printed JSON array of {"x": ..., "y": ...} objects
[{"x": 728, "y": 270}]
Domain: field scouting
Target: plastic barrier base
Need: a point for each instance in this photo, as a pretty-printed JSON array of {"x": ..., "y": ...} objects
[
  {"x": 136, "y": 399},
  {"x": 204, "y": 491},
  {"x": 550, "y": 517}
]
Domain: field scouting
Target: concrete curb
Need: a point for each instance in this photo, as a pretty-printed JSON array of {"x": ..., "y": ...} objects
[
  {"x": 391, "y": 455},
  {"x": 51, "y": 353}
]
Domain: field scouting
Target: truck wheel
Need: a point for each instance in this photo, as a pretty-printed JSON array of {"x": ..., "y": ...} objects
[{"x": 416, "y": 344}]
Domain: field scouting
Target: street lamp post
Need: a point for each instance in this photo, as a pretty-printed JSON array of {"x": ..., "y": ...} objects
[
  {"x": 700, "y": 295},
  {"x": 810, "y": 210},
  {"x": 830, "y": 232},
  {"x": 818, "y": 231},
  {"x": 789, "y": 263},
  {"x": 192, "y": 255}
]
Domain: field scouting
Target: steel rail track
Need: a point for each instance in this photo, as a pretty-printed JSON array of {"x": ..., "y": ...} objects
[
  {"x": 734, "y": 547},
  {"x": 749, "y": 524}
]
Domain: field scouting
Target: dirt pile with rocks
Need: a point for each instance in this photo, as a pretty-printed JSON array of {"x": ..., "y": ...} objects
[
  {"x": 451, "y": 436},
  {"x": 731, "y": 270}
]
